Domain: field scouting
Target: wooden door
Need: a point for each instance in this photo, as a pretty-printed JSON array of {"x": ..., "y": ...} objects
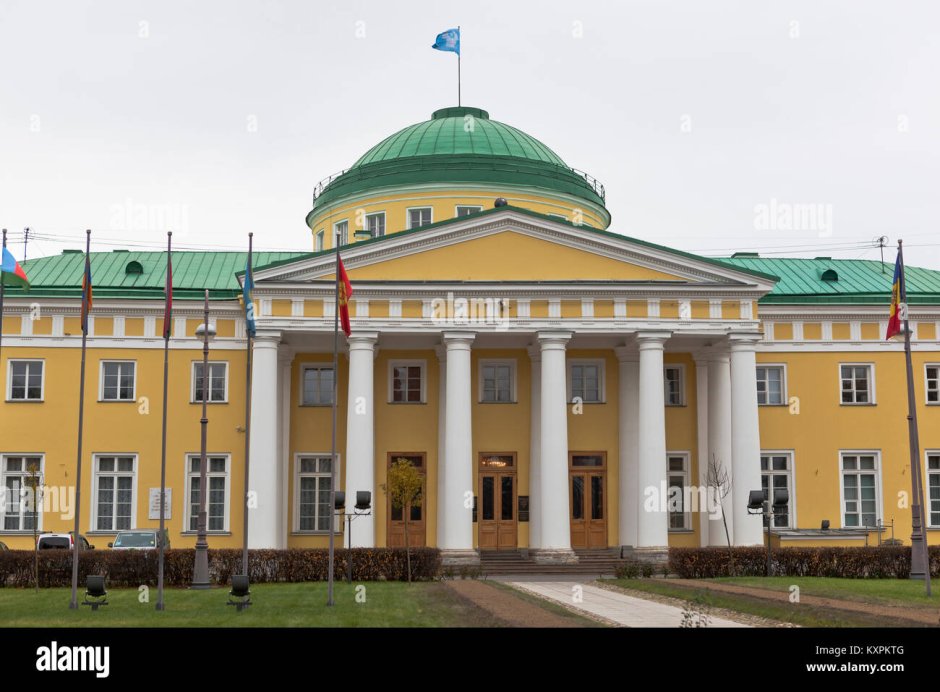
[
  {"x": 497, "y": 529},
  {"x": 588, "y": 495},
  {"x": 417, "y": 534}
]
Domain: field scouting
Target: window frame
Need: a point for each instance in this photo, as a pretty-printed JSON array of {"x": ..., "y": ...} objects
[
  {"x": 601, "y": 378},
  {"x": 871, "y": 384},
  {"x": 791, "y": 482},
  {"x": 513, "y": 389},
  {"x": 42, "y": 381},
  {"x": 687, "y": 483},
  {"x": 407, "y": 362},
  {"x": 927, "y": 401},
  {"x": 192, "y": 382},
  {"x": 188, "y": 475},
  {"x": 303, "y": 376},
  {"x": 96, "y": 476},
  {"x": 376, "y": 214},
  {"x": 876, "y": 453},
  {"x": 927, "y": 474},
  {"x": 101, "y": 369},
  {"x": 319, "y": 240},
  {"x": 408, "y": 211},
  {"x": 784, "y": 399},
  {"x": 336, "y": 475},
  {"x": 680, "y": 367},
  {"x": 344, "y": 235},
  {"x": 477, "y": 208},
  {"x": 20, "y": 474}
]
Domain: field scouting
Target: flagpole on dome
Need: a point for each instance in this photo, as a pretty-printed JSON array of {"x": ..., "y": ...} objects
[
  {"x": 458, "y": 66},
  {"x": 449, "y": 42},
  {"x": 167, "y": 327}
]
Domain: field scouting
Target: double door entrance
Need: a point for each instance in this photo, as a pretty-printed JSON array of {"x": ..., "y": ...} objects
[
  {"x": 587, "y": 484},
  {"x": 497, "y": 493}
]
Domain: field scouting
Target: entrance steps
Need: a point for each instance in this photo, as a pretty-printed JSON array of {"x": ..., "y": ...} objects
[{"x": 590, "y": 562}]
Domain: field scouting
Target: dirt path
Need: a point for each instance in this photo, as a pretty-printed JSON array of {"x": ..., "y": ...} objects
[
  {"x": 513, "y": 610},
  {"x": 921, "y": 616}
]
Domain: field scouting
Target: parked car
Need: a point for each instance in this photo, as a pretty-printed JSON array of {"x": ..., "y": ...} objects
[
  {"x": 61, "y": 541},
  {"x": 140, "y": 539}
]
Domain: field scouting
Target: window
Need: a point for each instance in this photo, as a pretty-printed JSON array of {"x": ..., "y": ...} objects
[
  {"x": 678, "y": 480},
  {"x": 341, "y": 230},
  {"x": 859, "y": 489},
  {"x": 560, "y": 217},
  {"x": 406, "y": 384},
  {"x": 770, "y": 385},
  {"x": 19, "y": 478},
  {"x": 776, "y": 471},
  {"x": 317, "y": 385},
  {"x": 675, "y": 395},
  {"x": 857, "y": 384},
  {"x": 466, "y": 210},
  {"x": 933, "y": 384},
  {"x": 419, "y": 217},
  {"x": 586, "y": 381},
  {"x": 217, "y": 499},
  {"x": 117, "y": 381},
  {"x": 375, "y": 224},
  {"x": 497, "y": 382},
  {"x": 318, "y": 241},
  {"x": 114, "y": 493},
  {"x": 218, "y": 382},
  {"x": 312, "y": 492},
  {"x": 933, "y": 489},
  {"x": 25, "y": 380}
]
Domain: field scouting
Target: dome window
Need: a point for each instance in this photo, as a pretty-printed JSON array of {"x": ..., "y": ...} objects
[
  {"x": 134, "y": 267},
  {"x": 830, "y": 275}
]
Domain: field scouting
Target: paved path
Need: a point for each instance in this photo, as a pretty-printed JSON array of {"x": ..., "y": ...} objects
[{"x": 617, "y": 608}]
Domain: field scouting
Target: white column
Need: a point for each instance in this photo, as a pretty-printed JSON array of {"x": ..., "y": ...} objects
[
  {"x": 701, "y": 430},
  {"x": 745, "y": 437},
  {"x": 441, "y": 352},
  {"x": 652, "y": 522},
  {"x": 457, "y": 545},
  {"x": 263, "y": 471},
  {"x": 555, "y": 523},
  {"x": 360, "y": 432},
  {"x": 535, "y": 439},
  {"x": 630, "y": 498},
  {"x": 285, "y": 360},
  {"x": 719, "y": 441}
]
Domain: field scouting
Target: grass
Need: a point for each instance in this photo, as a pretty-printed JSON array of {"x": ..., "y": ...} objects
[
  {"x": 893, "y": 592},
  {"x": 387, "y": 604}
]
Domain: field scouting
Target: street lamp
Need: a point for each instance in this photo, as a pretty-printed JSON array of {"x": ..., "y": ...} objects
[
  {"x": 759, "y": 503},
  {"x": 206, "y": 330},
  {"x": 363, "y": 508}
]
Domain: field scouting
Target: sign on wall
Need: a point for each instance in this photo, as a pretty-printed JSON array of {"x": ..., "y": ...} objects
[{"x": 154, "y": 503}]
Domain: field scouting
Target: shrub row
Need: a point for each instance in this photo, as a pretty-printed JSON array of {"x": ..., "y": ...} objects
[
  {"x": 883, "y": 562},
  {"x": 135, "y": 567}
]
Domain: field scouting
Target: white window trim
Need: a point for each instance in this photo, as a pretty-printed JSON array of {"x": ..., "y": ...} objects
[
  {"x": 303, "y": 369},
  {"x": 871, "y": 383},
  {"x": 93, "y": 522},
  {"x": 511, "y": 362},
  {"x": 681, "y": 368},
  {"x": 319, "y": 240},
  {"x": 42, "y": 475},
  {"x": 392, "y": 364},
  {"x": 192, "y": 382},
  {"x": 926, "y": 511},
  {"x": 186, "y": 491},
  {"x": 784, "y": 398},
  {"x": 42, "y": 381},
  {"x": 295, "y": 502},
  {"x": 458, "y": 207},
  {"x": 601, "y": 377},
  {"x": 791, "y": 486},
  {"x": 384, "y": 223},
  {"x": 101, "y": 365},
  {"x": 878, "y": 506},
  {"x": 557, "y": 216},
  {"x": 926, "y": 365},
  {"x": 339, "y": 243},
  {"x": 687, "y": 514},
  {"x": 408, "y": 211}
]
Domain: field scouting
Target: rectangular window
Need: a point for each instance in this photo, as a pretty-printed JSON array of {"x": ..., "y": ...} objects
[
  {"x": 317, "y": 386},
  {"x": 375, "y": 224},
  {"x": 25, "y": 380},
  {"x": 216, "y": 500},
  {"x": 466, "y": 210},
  {"x": 859, "y": 489},
  {"x": 114, "y": 493},
  {"x": 407, "y": 382},
  {"x": 117, "y": 381},
  {"x": 419, "y": 217},
  {"x": 341, "y": 231},
  {"x": 673, "y": 384},
  {"x": 318, "y": 241},
  {"x": 496, "y": 382},
  {"x": 770, "y": 385},
  {"x": 857, "y": 384},
  {"x": 218, "y": 382},
  {"x": 680, "y": 518},
  {"x": 776, "y": 470},
  {"x": 312, "y": 485},
  {"x": 933, "y": 489},
  {"x": 20, "y": 476},
  {"x": 933, "y": 384},
  {"x": 586, "y": 381}
]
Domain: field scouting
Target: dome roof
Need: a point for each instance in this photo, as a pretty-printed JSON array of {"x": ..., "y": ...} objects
[{"x": 459, "y": 145}]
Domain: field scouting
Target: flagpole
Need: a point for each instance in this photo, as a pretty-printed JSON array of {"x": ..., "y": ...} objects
[
  {"x": 920, "y": 562},
  {"x": 77, "y": 543},
  {"x": 247, "y": 425},
  {"x": 167, "y": 315},
  {"x": 458, "y": 67},
  {"x": 329, "y": 587},
  {"x": 1, "y": 293}
]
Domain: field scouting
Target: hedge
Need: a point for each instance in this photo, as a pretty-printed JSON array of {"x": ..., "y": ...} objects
[
  {"x": 132, "y": 568},
  {"x": 882, "y": 562}
]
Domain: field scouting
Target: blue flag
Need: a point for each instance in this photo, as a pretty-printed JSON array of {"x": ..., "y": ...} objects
[
  {"x": 247, "y": 285},
  {"x": 448, "y": 41}
]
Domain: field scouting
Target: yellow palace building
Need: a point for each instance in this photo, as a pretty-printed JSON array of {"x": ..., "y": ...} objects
[{"x": 560, "y": 386}]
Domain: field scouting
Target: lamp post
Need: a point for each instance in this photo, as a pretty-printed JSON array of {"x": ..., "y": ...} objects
[
  {"x": 201, "y": 568},
  {"x": 769, "y": 507},
  {"x": 363, "y": 508}
]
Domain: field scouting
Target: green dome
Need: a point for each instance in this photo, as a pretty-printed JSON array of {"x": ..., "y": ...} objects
[{"x": 459, "y": 145}]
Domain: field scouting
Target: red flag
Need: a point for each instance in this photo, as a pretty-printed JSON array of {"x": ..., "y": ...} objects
[
  {"x": 345, "y": 293},
  {"x": 86, "y": 293},
  {"x": 894, "y": 317}
]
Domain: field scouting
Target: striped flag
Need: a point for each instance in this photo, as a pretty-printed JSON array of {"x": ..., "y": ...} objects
[
  {"x": 894, "y": 319},
  {"x": 345, "y": 293},
  {"x": 86, "y": 293},
  {"x": 11, "y": 273}
]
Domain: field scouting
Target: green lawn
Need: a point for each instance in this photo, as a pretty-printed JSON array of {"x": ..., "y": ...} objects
[
  {"x": 895, "y": 592},
  {"x": 387, "y": 604}
]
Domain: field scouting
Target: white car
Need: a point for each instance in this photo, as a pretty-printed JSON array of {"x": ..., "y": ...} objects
[{"x": 139, "y": 539}]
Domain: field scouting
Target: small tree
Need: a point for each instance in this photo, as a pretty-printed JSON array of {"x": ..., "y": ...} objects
[
  {"x": 718, "y": 480},
  {"x": 404, "y": 490},
  {"x": 34, "y": 483}
]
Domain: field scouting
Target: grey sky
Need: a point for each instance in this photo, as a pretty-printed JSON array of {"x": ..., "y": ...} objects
[{"x": 221, "y": 116}]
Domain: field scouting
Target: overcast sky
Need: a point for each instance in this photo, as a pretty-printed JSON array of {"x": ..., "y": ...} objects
[{"x": 708, "y": 122}]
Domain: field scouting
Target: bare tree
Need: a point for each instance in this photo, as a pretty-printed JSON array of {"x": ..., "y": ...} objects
[
  {"x": 718, "y": 480},
  {"x": 35, "y": 485}
]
